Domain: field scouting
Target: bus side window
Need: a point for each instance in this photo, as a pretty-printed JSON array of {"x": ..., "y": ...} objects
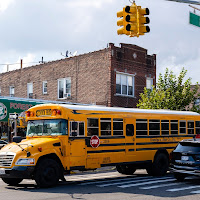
[
  {"x": 74, "y": 127},
  {"x": 77, "y": 129},
  {"x": 174, "y": 127},
  {"x": 129, "y": 130},
  {"x": 197, "y": 123},
  {"x": 190, "y": 127},
  {"x": 141, "y": 126},
  {"x": 92, "y": 126}
]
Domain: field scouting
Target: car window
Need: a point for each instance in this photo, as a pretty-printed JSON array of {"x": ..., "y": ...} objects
[{"x": 188, "y": 147}]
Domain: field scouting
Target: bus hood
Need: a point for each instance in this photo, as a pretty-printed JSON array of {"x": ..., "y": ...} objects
[{"x": 31, "y": 144}]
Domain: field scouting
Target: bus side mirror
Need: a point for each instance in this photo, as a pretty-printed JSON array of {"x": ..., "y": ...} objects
[{"x": 17, "y": 139}]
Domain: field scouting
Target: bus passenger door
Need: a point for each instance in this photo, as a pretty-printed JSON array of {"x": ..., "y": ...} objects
[
  {"x": 77, "y": 145},
  {"x": 130, "y": 137}
]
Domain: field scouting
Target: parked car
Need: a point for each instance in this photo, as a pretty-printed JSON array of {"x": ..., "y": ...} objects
[
  {"x": 185, "y": 159},
  {"x": 3, "y": 143}
]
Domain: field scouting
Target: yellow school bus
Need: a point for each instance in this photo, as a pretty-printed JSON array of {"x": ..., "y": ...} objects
[{"x": 61, "y": 138}]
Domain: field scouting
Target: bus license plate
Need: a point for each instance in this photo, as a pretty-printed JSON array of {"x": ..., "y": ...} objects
[
  {"x": 2, "y": 171},
  {"x": 184, "y": 158}
]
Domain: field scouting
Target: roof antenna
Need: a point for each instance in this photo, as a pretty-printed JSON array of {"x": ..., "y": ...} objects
[
  {"x": 42, "y": 61},
  {"x": 66, "y": 54}
]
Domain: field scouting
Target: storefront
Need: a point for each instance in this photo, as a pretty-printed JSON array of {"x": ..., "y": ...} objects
[{"x": 13, "y": 105}]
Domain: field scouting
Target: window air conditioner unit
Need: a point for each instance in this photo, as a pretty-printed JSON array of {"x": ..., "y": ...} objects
[
  {"x": 67, "y": 95},
  {"x": 30, "y": 95}
]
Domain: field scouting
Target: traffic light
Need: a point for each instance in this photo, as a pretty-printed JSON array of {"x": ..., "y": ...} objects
[
  {"x": 142, "y": 20},
  {"x": 131, "y": 19},
  {"x": 120, "y": 22},
  {"x": 128, "y": 21}
]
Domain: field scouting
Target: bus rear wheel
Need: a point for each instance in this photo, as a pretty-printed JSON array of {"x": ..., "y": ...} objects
[
  {"x": 12, "y": 181},
  {"x": 160, "y": 165},
  {"x": 126, "y": 169},
  {"x": 179, "y": 176},
  {"x": 47, "y": 173}
]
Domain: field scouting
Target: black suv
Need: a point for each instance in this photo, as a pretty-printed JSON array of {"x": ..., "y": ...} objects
[{"x": 185, "y": 159}]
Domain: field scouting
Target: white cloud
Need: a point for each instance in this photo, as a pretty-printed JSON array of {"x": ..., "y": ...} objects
[
  {"x": 88, "y": 3},
  {"x": 4, "y": 4}
]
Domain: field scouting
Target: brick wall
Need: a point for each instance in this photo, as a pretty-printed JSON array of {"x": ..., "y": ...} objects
[
  {"x": 93, "y": 76},
  {"x": 131, "y": 59}
]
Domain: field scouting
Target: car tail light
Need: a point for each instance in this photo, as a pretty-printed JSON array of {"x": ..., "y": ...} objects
[{"x": 197, "y": 136}]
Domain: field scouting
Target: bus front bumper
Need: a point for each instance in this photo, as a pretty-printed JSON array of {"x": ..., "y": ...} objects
[{"x": 25, "y": 172}]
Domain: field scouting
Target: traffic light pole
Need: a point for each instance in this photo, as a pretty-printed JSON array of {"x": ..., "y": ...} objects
[{"x": 186, "y": 1}]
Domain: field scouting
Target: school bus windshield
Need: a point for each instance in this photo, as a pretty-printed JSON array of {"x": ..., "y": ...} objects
[{"x": 47, "y": 127}]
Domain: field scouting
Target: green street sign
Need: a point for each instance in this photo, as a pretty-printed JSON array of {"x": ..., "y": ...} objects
[{"x": 194, "y": 19}]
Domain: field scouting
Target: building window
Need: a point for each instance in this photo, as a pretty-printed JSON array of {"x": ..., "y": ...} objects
[
  {"x": 149, "y": 83},
  {"x": 30, "y": 90},
  {"x": 44, "y": 87},
  {"x": 12, "y": 91},
  {"x": 125, "y": 84},
  {"x": 197, "y": 102},
  {"x": 64, "y": 88}
]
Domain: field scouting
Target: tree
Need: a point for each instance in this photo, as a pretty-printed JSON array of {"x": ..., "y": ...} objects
[{"x": 171, "y": 92}]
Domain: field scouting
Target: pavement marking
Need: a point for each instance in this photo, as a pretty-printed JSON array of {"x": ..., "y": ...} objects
[
  {"x": 159, "y": 186},
  {"x": 136, "y": 179},
  {"x": 107, "y": 181},
  {"x": 146, "y": 183},
  {"x": 91, "y": 176},
  {"x": 195, "y": 192},
  {"x": 183, "y": 188}
]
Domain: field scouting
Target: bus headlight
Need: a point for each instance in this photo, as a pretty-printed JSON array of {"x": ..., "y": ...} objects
[{"x": 25, "y": 161}]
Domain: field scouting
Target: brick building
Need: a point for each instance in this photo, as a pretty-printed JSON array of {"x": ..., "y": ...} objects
[{"x": 114, "y": 76}]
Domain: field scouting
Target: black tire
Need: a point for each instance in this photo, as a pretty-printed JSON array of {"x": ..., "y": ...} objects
[
  {"x": 47, "y": 173},
  {"x": 12, "y": 181},
  {"x": 149, "y": 170},
  {"x": 179, "y": 176},
  {"x": 160, "y": 165},
  {"x": 126, "y": 169}
]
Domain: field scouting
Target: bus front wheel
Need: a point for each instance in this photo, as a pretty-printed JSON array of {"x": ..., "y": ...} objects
[
  {"x": 126, "y": 169},
  {"x": 47, "y": 173},
  {"x": 12, "y": 181}
]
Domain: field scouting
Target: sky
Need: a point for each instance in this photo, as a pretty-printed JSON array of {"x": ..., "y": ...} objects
[{"x": 34, "y": 29}]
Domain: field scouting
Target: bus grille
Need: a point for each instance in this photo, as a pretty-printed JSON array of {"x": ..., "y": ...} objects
[{"x": 6, "y": 159}]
